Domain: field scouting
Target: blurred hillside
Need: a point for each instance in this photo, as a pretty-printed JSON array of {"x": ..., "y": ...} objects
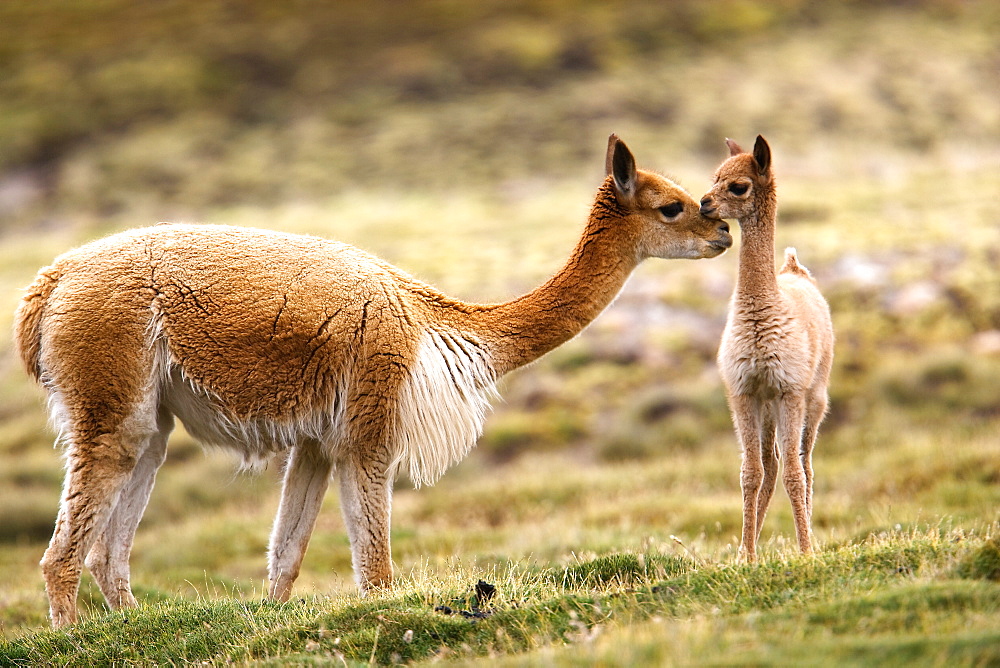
[
  {"x": 118, "y": 110},
  {"x": 463, "y": 141}
]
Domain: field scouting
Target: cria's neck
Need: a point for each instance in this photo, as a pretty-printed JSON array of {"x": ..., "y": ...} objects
[{"x": 757, "y": 276}]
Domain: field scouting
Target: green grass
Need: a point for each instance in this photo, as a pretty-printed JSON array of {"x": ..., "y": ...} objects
[{"x": 901, "y": 596}]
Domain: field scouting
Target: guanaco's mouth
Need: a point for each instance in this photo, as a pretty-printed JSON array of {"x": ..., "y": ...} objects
[{"x": 721, "y": 244}]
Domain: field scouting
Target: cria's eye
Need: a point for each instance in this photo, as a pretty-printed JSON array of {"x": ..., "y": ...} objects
[
  {"x": 738, "y": 188},
  {"x": 672, "y": 210}
]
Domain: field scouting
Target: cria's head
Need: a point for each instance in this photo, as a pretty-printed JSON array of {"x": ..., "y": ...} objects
[
  {"x": 738, "y": 181},
  {"x": 662, "y": 216}
]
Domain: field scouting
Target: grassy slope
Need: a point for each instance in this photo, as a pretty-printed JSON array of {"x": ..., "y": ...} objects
[
  {"x": 915, "y": 597},
  {"x": 617, "y": 441}
]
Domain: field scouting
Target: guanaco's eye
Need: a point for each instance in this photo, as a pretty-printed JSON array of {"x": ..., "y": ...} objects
[
  {"x": 738, "y": 188},
  {"x": 671, "y": 210}
]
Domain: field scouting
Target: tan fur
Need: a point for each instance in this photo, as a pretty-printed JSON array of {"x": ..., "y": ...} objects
[
  {"x": 28, "y": 320},
  {"x": 776, "y": 351},
  {"x": 264, "y": 342}
]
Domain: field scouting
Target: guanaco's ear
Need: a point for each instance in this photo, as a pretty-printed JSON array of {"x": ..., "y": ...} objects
[
  {"x": 734, "y": 148},
  {"x": 620, "y": 164},
  {"x": 608, "y": 158},
  {"x": 762, "y": 154}
]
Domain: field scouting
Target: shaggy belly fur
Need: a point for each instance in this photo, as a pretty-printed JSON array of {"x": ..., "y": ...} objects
[{"x": 255, "y": 440}]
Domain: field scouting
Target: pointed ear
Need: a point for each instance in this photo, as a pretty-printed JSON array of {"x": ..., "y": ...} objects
[
  {"x": 620, "y": 164},
  {"x": 612, "y": 140},
  {"x": 734, "y": 148},
  {"x": 762, "y": 154}
]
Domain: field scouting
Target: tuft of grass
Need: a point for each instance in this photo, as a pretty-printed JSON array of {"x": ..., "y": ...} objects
[
  {"x": 983, "y": 563},
  {"x": 623, "y": 570}
]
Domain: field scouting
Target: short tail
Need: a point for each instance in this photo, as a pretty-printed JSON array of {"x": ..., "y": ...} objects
[
  {"x": 28, "y": 321},
  {"x": 792, "y": 265}
]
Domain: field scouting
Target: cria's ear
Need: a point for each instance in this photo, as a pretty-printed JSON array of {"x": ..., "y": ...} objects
[
  {"x": 734, "y": 148},
  {"x": 620, "y": 164},
  {"x": 762, "y": 154}
]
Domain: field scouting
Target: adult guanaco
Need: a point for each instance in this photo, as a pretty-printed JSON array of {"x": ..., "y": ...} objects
[{"x": 264, "y": 343}]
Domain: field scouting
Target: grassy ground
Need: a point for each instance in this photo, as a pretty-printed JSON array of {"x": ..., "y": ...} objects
[
  {"x": 603, "y": 499},
  {"x": 926, "y": 598}
]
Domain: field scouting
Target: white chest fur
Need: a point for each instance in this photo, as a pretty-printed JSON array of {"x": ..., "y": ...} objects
[{"x": 442, "y": 405}]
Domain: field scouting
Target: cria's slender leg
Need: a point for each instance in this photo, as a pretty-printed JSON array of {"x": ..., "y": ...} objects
[
  {"x": 791, "y": 415},
  {"x": 746, "y": 417},
  {"x": 815, "y": 410},
  {"x": 108, "y": 560},
  {"x": 769, "y": 456},
  {"x": 97, "y": 469},
  {"x": 366, "y": 499},
  {"x": 307, "y": 477}
]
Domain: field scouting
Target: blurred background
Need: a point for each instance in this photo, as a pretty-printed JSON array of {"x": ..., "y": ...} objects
[{"x": 464, "y": 142}]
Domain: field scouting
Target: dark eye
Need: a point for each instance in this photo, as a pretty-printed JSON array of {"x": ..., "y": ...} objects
[
  {"x": 738, "y": 188},
  {"x": 671, "y": 210}
]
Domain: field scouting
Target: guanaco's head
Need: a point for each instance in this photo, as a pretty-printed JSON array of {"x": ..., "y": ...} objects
[
  {"x": 667, "y": 218},
  {"x": 740, "y": 182}
]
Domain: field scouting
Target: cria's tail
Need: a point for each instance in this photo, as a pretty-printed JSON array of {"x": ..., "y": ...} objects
[
  {"x": 792, "y": 265},
  {"x": 28, "y": 320}
]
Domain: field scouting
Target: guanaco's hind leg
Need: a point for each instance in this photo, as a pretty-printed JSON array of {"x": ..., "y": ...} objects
[
  {"x": 769, "y": 459},
  {"x": 103, "y": 376},
  {"x": 97, "y": 470},
  {"x": 815, "y": 411},
  {"x": 791, "y": 416},
  {"x": 307, "y": 476},
  {"x": 108, "y": 560}
]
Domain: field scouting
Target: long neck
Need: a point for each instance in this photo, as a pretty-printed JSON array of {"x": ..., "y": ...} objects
[
  {"x": 757, "y": 277},
  {"x": 524, "y": 329}
]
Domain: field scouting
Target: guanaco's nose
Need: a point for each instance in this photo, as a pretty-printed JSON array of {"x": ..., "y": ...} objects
[
  {"x": 706, "y": 206},
  {"x": 724, "y": 227}
]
